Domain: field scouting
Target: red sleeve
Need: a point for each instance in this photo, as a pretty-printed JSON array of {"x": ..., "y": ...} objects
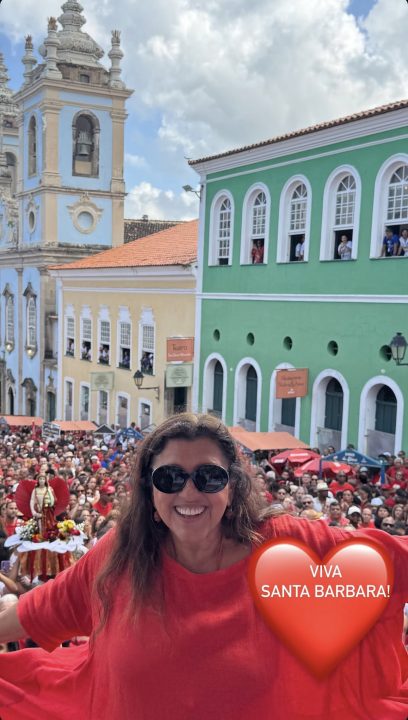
[{"x": 62, "y": 608}]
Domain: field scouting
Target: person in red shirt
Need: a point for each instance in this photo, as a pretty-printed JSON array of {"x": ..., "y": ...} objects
[
  {"x": 11, "y": 519},
  {"x": 340, "y": 483},
  {"x": 102, "y": 503},
  {"x": 174, "y": 629}
]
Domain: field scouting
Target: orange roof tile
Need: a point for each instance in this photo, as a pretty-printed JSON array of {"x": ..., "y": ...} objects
[
  {"x": 174, "y": 246},
  {"x": 372, "y": 112}
]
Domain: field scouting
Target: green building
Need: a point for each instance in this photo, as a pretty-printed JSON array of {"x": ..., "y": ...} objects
[{"x": 262, "y": 308}]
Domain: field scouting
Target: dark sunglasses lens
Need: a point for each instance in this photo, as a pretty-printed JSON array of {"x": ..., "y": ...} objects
[
  {"x": 210, "y": 478},
  {"x": 169, "y": 478}
]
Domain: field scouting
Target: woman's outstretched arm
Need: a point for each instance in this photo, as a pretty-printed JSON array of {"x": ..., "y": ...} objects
[{"x": 10, "y": 626}]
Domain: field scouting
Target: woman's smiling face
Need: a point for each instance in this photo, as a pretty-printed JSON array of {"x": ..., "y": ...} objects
[{"x": 192, "y": 516}]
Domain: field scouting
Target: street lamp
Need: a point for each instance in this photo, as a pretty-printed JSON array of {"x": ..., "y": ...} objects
[
  {"x": 398, "y": 347},
  {"x": 188, "y": 188},
  {"x": 138, "y": 378}
]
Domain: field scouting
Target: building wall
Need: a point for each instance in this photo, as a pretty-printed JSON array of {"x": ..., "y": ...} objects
[
  {"x": 172, "y": 307},
  {"x": 358, "y": 304}
]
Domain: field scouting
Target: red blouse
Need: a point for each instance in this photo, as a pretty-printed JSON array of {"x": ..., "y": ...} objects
[{"x": 208, "y": 655}]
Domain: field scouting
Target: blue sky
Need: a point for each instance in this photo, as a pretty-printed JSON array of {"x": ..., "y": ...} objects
[{"x": 209, "y": 75}]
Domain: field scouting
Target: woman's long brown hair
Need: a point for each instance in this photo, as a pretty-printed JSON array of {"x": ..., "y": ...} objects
[{"x": 138, "y": 542}]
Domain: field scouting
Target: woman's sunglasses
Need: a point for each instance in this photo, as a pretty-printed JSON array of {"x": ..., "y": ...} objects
[{"x": 206, "y": 478}]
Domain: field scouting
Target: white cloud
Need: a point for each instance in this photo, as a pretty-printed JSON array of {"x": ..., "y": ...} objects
[
  {"x": 145, "y": 199},
  {"x": 135, "y": 160},
  {"x": 215, "y": 74}
]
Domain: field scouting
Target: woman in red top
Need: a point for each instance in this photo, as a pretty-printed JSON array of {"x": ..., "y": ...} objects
[{"x": 173, "y": 628}]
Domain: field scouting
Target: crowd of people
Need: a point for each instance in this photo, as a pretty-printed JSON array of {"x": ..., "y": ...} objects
[
  {"x": 166, "y": 595},
  {"x": 355, "y": 499}
]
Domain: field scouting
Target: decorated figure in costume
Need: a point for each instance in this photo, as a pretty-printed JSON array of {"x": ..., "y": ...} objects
[
  {"x": 42, "y": 503},
  {"x": 45, "y": 544}
]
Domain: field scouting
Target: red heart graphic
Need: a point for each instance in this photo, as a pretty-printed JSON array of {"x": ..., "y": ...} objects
[{"x": 320, "y": 609}]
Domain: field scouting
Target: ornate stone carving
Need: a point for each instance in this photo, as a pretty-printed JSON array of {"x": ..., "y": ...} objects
[
  {"x": 10, "y": 377},
  {"x": 85, "y": 214}
]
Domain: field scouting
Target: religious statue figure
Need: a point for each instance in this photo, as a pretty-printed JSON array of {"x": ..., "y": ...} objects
[{"x": 42, "y": 504}]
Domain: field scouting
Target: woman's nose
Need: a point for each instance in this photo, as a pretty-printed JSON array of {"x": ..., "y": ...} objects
[{"x": 189, "y": 489}]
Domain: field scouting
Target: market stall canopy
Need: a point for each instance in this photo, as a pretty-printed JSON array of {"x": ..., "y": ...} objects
[
  {"x": 20, "y": 421},
  {"x": 352, "y": 457},
  {"x": 76, "y": 425},
  {"x": 323, "y": 467},
  {"x": 265, "y": 440},
  {"x": 295, "y": 457}
]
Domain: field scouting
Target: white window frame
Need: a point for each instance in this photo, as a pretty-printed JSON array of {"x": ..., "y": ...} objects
[
  {"x": 380, "y": 202},
  {"x": 208, "y": 383},
  {"x": 367, "y": 410},
  {"x": 68, "y": 336},
  {"x": 122, "y": 346},
  {"x": 86, "y": 318},
  {"x": 72, "y": 381},
  {"x": 125, "y": 396},
  {"x": 98, "y": 408},
  {"x": 144, "y": 401},
  {"x": 247, "y": 236},
  {"x": 283, "y": 246},
  {"x": 214, "y": 226},
  {"x": 329, "y": 213},
  {"x": 240, "y": 390},
  {"x": 102, "y": 342},
  {"x": 10, "y": 321},
  {"x": 31, "y": 323},
  {"x": 143, "y": 346},
  {"x": 84, "y": 386},
  {"x": 319, "y": 405}
]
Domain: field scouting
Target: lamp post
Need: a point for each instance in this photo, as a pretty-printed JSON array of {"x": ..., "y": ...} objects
[
  {"x": 138, "y": 378},
  {"x": 398, "y": 347},
  {"x": 188, "y": 188}
]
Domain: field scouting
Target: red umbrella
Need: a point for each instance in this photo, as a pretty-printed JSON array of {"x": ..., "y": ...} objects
[
  {"x": 295, "y": 457},
  {"x": 328, "y": 467}
]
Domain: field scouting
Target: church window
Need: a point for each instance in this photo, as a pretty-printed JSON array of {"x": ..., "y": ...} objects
[
  {"x": 85, "y": 131},
  {"x": 32, "y": 146}
]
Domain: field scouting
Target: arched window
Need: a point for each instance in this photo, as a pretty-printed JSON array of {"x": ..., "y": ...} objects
[
  {"x": 386, "y": 410},
  {"x": 224, "y": 233},
  {"x": 10, "y": 322},
  {"x": 340, "y": 216},
  {"x": 12, "y": 168},
  {"x": 255, "y": 225},
  {"x": 333, "y": 416},
  {"x": 10, "y": 401},
  {"x": 297, "y": 223},
  {"x": 294, "y": 220},
  {"x": 31, "y": 323},
  {"x": 218, "y": 389},
  {"x": 397, "y": 208},
  {"x": 32, "y": 146},
  {"x": 251, "y": 394},
  {"x": 85, "y": 131},
  {"x": 344, "y": 214},
  {"x": 221, "y": 229}
]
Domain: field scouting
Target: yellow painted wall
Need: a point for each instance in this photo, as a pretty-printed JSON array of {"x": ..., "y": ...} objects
[{"x": 174, "y": 315}]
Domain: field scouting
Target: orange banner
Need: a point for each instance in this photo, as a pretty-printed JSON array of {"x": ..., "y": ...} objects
[
  {"x": 180, "y": 349},
  {"x": 291, "y": 383}
]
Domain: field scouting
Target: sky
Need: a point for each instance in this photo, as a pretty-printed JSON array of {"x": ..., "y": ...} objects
[{"x": 213, "y": 75}]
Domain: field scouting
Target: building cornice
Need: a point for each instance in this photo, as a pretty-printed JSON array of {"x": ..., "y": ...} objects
[
  {"x": 306, "y": 298},
  {"x": 173, "y": 273},
  {"x": 71, "y": 86}
]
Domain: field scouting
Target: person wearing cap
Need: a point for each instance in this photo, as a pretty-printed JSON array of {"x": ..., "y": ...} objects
[
  {"x": 101, "y": 501},
  {"x": 354, "y": 516},
  {"x": 323, "y": 495}
]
